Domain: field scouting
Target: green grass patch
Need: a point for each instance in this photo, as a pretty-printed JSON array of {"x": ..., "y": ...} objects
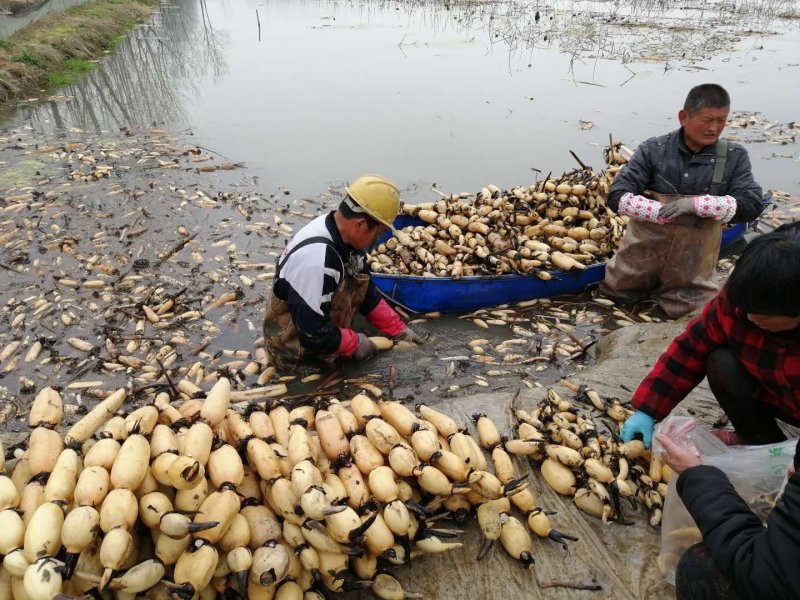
[
  {"x": 62, "y": 30},
  {"x": 29, "y": 58},
  {"x": 55, "y": 50},
  {"x": 59, "y": 79},
  {"x": 78, "y": 65},
  {"x": 111, "y": 40},
  {"x": 74, "y": 67}
]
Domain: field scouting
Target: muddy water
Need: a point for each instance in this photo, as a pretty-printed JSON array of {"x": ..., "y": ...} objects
[
  {"x": 457, "y": 96},
  {"x": 304, "y": 95},
  {"x": 309, "y": 94}
]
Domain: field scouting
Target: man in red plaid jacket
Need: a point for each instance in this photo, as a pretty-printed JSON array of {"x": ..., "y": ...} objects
[{"x": 746, "y": 341}]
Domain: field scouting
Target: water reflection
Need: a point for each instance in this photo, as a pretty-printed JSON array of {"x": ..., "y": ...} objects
[
  {"x": 149, "y": 80},
  {"x": 161, "y": 67},
  {"x": 460, "y": 93}
]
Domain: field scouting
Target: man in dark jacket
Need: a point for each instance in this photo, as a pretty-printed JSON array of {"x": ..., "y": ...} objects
[
  {"x": 739, "y": 558},
  {"x": 679, "y": 190}
]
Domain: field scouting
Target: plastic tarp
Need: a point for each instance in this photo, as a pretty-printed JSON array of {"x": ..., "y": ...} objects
[{"x": 757, "y": 472}]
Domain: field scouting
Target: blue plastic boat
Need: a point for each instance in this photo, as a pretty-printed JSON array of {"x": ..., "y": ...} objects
[{"x": 445, "y": 294}]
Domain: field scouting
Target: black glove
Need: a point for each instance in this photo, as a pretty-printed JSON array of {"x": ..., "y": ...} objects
[
  {"x": 677, "y": 208},
  {"x": 366, "y": 348},
  {"x": 410, "y": 335}
]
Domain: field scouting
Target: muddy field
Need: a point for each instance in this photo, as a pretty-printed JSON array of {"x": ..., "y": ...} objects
[
  {"x": 100, "y": 232},
  {"x": 111, "y": 226},
  {"x": 129, "y": 261}
]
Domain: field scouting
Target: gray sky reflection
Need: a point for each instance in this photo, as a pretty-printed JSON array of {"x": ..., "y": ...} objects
[{"x": 460, "y": 96}]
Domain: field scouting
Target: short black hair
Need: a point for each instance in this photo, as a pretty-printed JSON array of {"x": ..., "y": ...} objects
[
  {"x": 766, "y": 279},
  {"x": 349, "y": 213},
  {"x": 707, "y": 95}
]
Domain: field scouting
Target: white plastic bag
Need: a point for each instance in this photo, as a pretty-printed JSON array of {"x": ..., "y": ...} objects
[
  {"x": 685, "y": 433},
  {"x": 758, "y": 474}
]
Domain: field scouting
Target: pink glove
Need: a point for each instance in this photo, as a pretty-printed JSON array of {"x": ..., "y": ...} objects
[
  {"x": 348, "y": 343},
  {"x": 386, "y": 319},
  {"x": 640, "y": 208},
  {"x": 719, "y": 208}
]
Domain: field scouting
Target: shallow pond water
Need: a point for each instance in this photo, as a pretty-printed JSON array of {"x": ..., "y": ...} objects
[{"x": 309, "y": 94}]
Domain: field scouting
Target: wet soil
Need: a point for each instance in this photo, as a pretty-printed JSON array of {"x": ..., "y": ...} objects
[{"x": 103, "y": 214}]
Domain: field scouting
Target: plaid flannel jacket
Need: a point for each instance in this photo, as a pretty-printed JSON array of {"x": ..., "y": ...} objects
[{"x": 773, "y": 359}]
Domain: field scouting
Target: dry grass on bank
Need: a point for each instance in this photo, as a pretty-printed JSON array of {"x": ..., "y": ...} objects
[{"x": 52, "y": 51}]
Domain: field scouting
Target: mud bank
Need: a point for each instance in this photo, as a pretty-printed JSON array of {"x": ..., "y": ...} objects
[{"x": 51, "y": 52}]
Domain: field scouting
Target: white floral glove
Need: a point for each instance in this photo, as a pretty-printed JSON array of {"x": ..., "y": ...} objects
[
  {"x": 719, "y": 208},
  {"x": 640, "y": 208}
]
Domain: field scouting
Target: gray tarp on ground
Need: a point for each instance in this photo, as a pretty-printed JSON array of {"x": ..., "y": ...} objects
[{"x": 620, "y": 558}]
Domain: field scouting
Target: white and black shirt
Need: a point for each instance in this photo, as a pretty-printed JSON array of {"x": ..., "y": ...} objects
[{"x": 309, "y": 271}]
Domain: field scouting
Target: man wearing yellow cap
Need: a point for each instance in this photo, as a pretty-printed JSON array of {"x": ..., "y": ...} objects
[{"x": 322, "y": 280}]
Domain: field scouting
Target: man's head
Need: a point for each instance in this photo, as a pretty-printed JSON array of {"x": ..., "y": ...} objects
[
  {"x": 765, "y": 283},
  {"x": 704, "y": 115},
  {"x": 371, "y": 205}
]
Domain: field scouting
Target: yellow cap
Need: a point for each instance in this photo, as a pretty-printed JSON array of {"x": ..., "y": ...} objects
[{"x": 376, "y": 196}]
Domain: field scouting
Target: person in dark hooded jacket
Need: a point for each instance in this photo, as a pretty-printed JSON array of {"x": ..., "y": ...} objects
[{"x": 739, "y": 558}]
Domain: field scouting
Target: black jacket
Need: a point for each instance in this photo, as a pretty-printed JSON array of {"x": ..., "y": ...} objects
[
  {"x": 665, "y": 165},
  {"x": 760, "y": 562}
]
